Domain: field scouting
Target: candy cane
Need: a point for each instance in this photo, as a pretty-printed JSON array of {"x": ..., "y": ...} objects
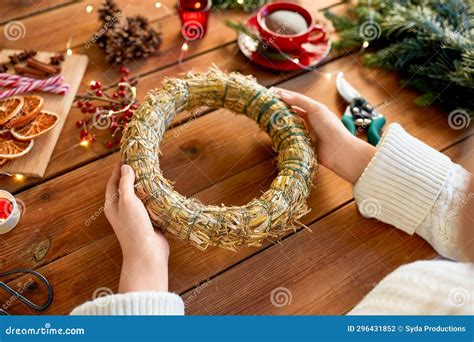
[
  {"x": 21, "y": 85},
  {"x": 15, "y": 80},
  {"x": 57, "y": 89},
  {"x": 62, "y": 89}
]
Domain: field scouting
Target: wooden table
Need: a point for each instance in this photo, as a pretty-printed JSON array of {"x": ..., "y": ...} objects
[{"x": 218, "y": 158}]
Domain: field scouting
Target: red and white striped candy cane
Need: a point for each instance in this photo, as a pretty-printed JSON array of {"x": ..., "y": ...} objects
[
  {"x": 8, "y": 80},
  {"x": 21, "y": 85}
]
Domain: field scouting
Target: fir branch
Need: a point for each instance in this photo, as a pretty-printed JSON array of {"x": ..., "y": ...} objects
[
  {"x": 246, "y": 5},
  {"x": 431, "y": 42}
]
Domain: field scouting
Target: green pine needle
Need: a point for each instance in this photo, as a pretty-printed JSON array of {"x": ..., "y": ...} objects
[{"x": 431, "y": 42}]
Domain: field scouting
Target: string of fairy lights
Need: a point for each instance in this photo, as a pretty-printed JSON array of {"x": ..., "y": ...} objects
[{"x": 184, "y": 48}]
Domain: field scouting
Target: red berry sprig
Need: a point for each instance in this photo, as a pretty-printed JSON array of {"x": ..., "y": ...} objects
[{"x": 107, "y": 109}]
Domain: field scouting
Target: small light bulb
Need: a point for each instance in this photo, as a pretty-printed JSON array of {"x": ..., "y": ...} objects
[
  {"x": 92, "y": 83},
  {"x": 89, "y": 8},
  {"x": 365, "y": 44},
  {"x": 296, "y": 61},
  {"x": 158, "y": 4},
  {"x": 328, "y": 75},
  {"x": 197, "y": 5},
  {"x": 69, "y": 52},
  {"x": 240, "y": 2},
  {"x": 19, "y": 177},
  {"x": 185, "y": 47},
  {"x": 84, "y": 143}
]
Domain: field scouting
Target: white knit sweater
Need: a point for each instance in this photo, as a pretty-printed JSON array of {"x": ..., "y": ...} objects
[{"x": 408, "y": 185}]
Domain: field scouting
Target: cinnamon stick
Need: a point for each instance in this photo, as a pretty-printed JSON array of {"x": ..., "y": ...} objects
[
  {"x": 46, "y": 68},
  {"x": 30, "y": 72}
]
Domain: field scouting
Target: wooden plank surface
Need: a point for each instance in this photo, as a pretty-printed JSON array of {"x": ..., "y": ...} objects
[
  {"x": 52, "y": 30},
  {"x": 195, "y": 156},
  {"x": 323, "y": 272},
  {"x": 327, "y": 270},
  {"x": 229, "y": 58},
  {"x": 19, "y": 9},
  {"x": 59, "y": 232},
  {"x": 378, "y": 87},
  {"x": 217, "y": 158},
  {"x": 34, "y": 164},
  {"x": 198, "y": 155}
]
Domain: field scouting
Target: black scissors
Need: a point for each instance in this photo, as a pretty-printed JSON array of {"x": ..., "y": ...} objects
[{"x": 17, "y": 295}]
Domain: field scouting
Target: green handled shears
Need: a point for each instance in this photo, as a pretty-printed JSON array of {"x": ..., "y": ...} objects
[{"x": 359, "y": 113}]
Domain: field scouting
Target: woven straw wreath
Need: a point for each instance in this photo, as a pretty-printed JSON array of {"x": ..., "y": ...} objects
[{"x": 266, "y": 218}]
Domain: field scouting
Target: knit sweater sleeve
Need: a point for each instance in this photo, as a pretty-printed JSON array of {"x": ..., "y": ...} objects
[
  {"x": 415, "y": 188},
  {"x": 133, "y": 303}
]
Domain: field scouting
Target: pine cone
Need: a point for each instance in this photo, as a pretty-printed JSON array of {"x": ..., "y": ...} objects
[
  {"x": 127, "y": 39},
  {"x": 109, "y": 11}
]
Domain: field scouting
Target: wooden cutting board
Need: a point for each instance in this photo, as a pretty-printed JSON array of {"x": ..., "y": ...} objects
[{"x": 34, "y": 164}]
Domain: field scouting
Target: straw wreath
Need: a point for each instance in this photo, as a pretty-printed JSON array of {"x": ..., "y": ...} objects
[{"x": 266, "y": 218}]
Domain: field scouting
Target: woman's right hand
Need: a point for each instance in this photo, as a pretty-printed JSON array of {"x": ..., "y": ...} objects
[{"x": 337, "y": 148}]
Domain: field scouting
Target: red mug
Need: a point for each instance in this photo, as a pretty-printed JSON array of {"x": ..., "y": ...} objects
[{"x": 314, "y": 33}]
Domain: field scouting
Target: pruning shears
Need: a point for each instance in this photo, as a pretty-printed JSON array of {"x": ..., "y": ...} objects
[{"x": 359, "y": 113}]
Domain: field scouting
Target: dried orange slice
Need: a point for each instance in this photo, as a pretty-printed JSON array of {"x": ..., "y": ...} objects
[
  {"x": 10, "y": 107},
  {"x": 31, "y": 107},
  {"x": 42, "y": 123},
  {"x": 10, "y": 148}
]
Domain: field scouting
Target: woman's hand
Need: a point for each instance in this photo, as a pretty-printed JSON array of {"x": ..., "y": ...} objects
[
  {"x": 145, "y": 251},
  {"x": 337, "y": 149}
]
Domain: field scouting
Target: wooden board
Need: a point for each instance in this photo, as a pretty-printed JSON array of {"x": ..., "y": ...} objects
[{"x": 34, "y": 164}]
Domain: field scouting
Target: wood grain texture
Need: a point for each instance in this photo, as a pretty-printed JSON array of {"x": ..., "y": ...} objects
[
  {"x": 34, "y": 164},
  {"x": 327, "y": 270},
  {"x": 324, "y": 272},
  {"x": 229, "y": 58},
  {"x": 19, "y": 9},
  {"x": 52, "y": 30},
  {"x": 62, "y": 235},
  {"x": 196, "y": 155},
  {"x": 65, "y": 235}
]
